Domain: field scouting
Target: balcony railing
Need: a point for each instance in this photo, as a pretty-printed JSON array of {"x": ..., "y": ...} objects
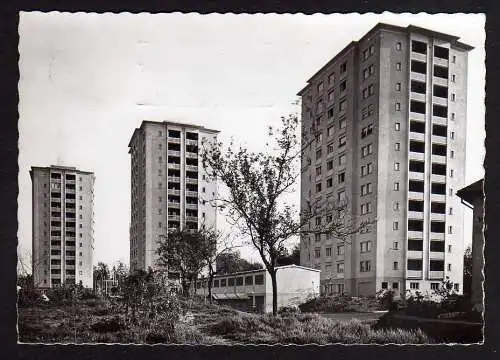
[
  {"x": 414, "y": 195},
  {"x": 413, "y": 175},
  {"x": 174, "y": 192},
  {"x": 412, "y": 155},
  {"x": 192, "y": 167},
  {"x": 416, "y": 136},
  {"x": 436, "y": 255},
  {"x": 70, "y": 201},
  {"x": 438, "y": 120},
  {"x": 440, "y": 62},
  {"x": 192, "y": 218},
  {"x": 414, "y": 254},
  {"x": 437, "y": 236},
  {"x": 175, "y": 205},
  {"x": 417, "y": 116},
  {"x": 191, "y": 193},
  {"x": 438, "y": 217},
  {"x": 174, "y": 153},
  {"x": 56, "y": 209},
  {"x": 439, "y": 159},
  {"x": 174, "y": 140},
  {"x": 174, "y": 217},
  {"x": 417, "y": 96},
  {"x": 192, "y": 206},
  {"x": 70, "y": 191},
  {"x": 437, "y": 100},
  {"x": 414, "y": 274},
  {"x": 175, "y": 179},
  {"x": 417, "y": 76},
  {"x": 191, "y": 181},
  {"x": 191, "y": 155},
  {"x": 70, "y": 182},
  {"x": 439, "y": 81},
  {"x": 174, "y": 166},
  {"x": 417, "y": 215},
  {"x": 438, "y": 197},
  {"x": 418, "y": 56},
  {"x": 415, "y": 234},
  {"x": 435, "y": 275},
  {"x": 191, "y": 142}
]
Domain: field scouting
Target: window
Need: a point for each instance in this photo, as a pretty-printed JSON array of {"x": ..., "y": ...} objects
[
  {"x": 249, "y": 280},
  {"x": 395, "y": 245},
  {"x": 453, "y": 78},
  {"x": 414, "y": 285},
  {"x": 398, "y": 106},
  {"x": 452, "y": 135},
  {"x": 341, "y": 177},
  {"x": 419, "y": 47},
  {"x": 317, "y": 237},
  {"x": 329, "y": 182},
  {"x": 418, "y": 67},
  {"x": 452, "y": 116},
  {"x": 455, "y": 286},
  {"x": 450, "y": 229},
  {"x": 449, "y": 248},
  {"x": 340, "y": 250},
  {"x": 342, "y": 159},
  {"x": 398, "y": 66},
  {"x": 366, "y": 189},
  {"x": 365, "y": 266},
  {"x": 366, "y": 150},
  {"x": 395, "y": 265},
  {"x": 453, "y": 59},
  {"x": 318, "y": 154},
  {"x": 450, "y": 211},
  {"x": 367, "y": 111},
  {"x": 328, "y": 251},
  {"x": 318, "y": 187},
  {"x": 320, "y": 87},
  {"x": 342, "y": 123},
  {"x": 318, "y": 171},
  {"x": 396, "y": 166},
  {"x": 398, "y": 46},
  {"x": 451, "y": 172},
  {"x": 384, "y": 285},
  {"x": 341, "y": 195},
  {"x": 340, "y": 268},
  {"x": 366, "y": 169},
  {"x": 329, "y": 165},
  {"x": 343, "y": 67},
  {"x": 342, "y": 141},
  {"x": 398, "y": 86},
  {"x": 318, "y": 220},
  {"x": 397, "y": 126},
  {"x": 396, "y": 186},
  {"x": 331, "y": 78},
  {"x": 330, "y": 96},
  {"x": 343, "y": 106},
  {"x": 395, "y": 225},
  {"x": 365, "y": 246},
  {"x": 329, "y": 131},
  {"x": 441, "y": 52},
  {"x": 449, "y": 267},
  {"x": 319, "y": 106},
  {"x": 159, "y": 225},
  {"x": 230, "y": 282},
  {"x": 366, "y": 131},
  {"x": 434, "y": 286},
  {"x": 395, "y": 206},
  {"x": 317, "y": 252},
  {"x": 366, "y": 208},
  {"x": 397, "y": 146}
]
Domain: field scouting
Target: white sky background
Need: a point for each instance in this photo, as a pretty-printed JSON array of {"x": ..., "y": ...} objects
[{"x": 87, "y": 80}]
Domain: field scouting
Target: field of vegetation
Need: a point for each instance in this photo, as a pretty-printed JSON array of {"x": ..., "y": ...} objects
[{"x": 100, "y": 320}]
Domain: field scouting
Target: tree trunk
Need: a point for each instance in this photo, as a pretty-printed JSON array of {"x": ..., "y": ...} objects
[
  {"x": 275, "y": 291},
  {"x": 209, "y": 285}
]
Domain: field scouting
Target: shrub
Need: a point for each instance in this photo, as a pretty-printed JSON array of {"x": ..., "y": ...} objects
[
  {"x": 109, "y": 324},
  {"x": 328, "y": 304},
  {"x": 385, "y": 299},
  {"x": 288, "y": 310}
]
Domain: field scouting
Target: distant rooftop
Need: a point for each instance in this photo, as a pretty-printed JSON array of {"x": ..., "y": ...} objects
[
  {"x": 61, "y": 167},
  {"x": 472, "y": 191},
  {"x": 453, "y": 40},
  {"x": 173, "y": 123},
  {"x": 264, "y": 270}
]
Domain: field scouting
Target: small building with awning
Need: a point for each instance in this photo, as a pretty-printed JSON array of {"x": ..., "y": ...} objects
[{"x": 252, "y": 290}]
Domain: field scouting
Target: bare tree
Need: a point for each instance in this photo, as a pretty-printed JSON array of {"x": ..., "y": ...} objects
[{"x": 258, "y": 183}]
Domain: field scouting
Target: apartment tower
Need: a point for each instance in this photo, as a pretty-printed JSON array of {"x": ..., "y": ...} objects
[
  {"x": 63, "y": 226},
  {"x": 169, "y": 187},
  {"x": 387, "y": 116}
]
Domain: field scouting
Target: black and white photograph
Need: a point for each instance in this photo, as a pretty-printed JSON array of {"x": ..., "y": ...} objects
[{"x": 236, "y": 179}]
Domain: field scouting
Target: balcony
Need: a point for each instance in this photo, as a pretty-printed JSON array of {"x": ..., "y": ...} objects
[
  {"x": 173, "y": 153},
  {"x": 174, "y": 179},
  {"x": 438, "y": 178},
  {"x": 174, "y": 217},
  {"x": 438, "y": 139},
  {"x": 174, "y": 140},
  {"x": 436, "y": 255},
  {"x": 414, "y": 254},
  {"x": 55, "y": 180},
  {"x": 417, "y": 116},
  {"x": 70, "y": 201},
  {"x": 439, "y": 81},
  {"x": 70, "y": 267},
  {"x": 192, "y": 142},
  {"x": 438, "y": 197},
  {"x": 437, "y": 236},
  {"x": 438, "y": 120},
  {"x": 55, "y": 247},
  {"x": 56, "y": 209},
  {"x": 70, "y": 182},
  {"x": 174, "y": 205},
  {"x": 174, "y": 192},
  {"x": 418, "y": 56},
  {"x": 417, "y": 76},
  {"x": 192, "y": 218},
  {"x": 413, "y": 195},
  {"x": 435, "y": 275},
  {"x": 70, "y": 210},
  {"x": 414, "y": 274},
  {"x": 416, "y": 156},
  {"x": 439, "y": 159},
  {"x": 340, "y": 275},
  {"x": 440, "y": 62},
  {"x": 417, "y": 96},
  {"x": 191, "y": 155},
  {"x": 191, "y": 181},
  {"x": 55, "y": 228},
  {"x": 438, "y": 217},
  {"x": 55, "y": 199},
  {"x": 70, "y": 191},
  {"x": 415, "y": 234},
  {"x": 57, "y": 257},
  {"x": 437, "y": 100},
  {"x": 415, "y": 215},
  {"x": 413, "y": 175},
  {"x": 191, "y": 193},
  {"x": 192, "y": 206},
  {"x": 416, "y": 136},
  {"x": 192, "y": 167},
  {"x": 55, "y": 238},
  {"x": 173, "y": 166},
  {"x": 55, "y": 267}
]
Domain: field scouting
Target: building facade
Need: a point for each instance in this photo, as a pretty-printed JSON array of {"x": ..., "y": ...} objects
[
  {"x": 386, "y": 120},
  {"x": 63, "y": 226},
  {"x": 473, "y": 196},
  {"x": 169, "y": 188},
  {"x": 252, "y": 290}
]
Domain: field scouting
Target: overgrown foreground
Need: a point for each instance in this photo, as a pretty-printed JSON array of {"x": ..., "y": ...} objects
[{"x": 104, "y": 321}]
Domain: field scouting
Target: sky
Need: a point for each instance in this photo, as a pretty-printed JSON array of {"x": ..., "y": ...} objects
[{"x": 88, "y": 80}]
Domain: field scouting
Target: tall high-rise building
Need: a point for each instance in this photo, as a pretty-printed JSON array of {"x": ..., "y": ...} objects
[
  {"x": 388, "y": 114},
  {"x": 63, "y": 226},
  {"x": 169, "y": 187}
]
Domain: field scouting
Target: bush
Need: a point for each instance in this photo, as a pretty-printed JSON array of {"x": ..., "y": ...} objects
[
  {"x": 385, "y": 299},
  {"x": 109, "y": 324},
  {"x": 288, "y": 310},
  {"x": 328, "y": 304}
]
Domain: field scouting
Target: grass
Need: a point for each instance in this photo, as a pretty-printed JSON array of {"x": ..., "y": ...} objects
[{"x": 101, "y": 321}]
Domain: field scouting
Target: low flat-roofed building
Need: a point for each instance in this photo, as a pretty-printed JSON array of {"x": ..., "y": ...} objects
[{"x": 252, "y": 290}]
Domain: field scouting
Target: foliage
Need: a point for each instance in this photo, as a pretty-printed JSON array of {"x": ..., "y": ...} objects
[
  {"x": 289, "y": 258},
  {"x": 467, "y": 270},
  {"x": 101, "y": 271},
  {"x": 186, "y": 252},
  {"x": 328, "y": 304},
  {"x": 308, "y": 329},
  {"x": 385, "y": 298},
  {"x": 258, "y": 183},
  {"x": 231, "y": 262}
]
